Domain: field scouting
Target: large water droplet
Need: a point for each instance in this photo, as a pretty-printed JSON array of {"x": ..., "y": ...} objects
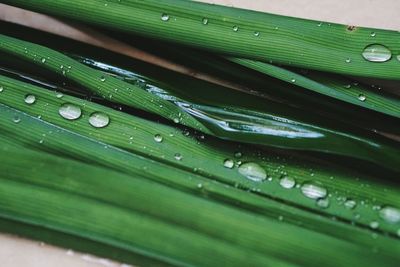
[
  {"x": 99, "y": 120},
  {"x": 377, "y": 53},
  {"x": 69, "y": 111},
  {"x": 164, "y": 17},
  {"x": 390, "y": 214},
  {"x": 313, "y": 191},
  {"x": 228, "y": 163},
  {"x": 253, "y": 171},
  {"x": 30, "y": 99},
  {"x": 287, "y": 182}
]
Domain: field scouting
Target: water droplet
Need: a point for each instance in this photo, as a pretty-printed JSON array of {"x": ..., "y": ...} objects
[
  {"x": 178, "y": 156},
  {"x": 348, "y": 60},
  {"x": 228, "y": 163},
  {"x": 30, "y": 99},
  {"x": 377, "y": 53},
  {"x": 319, "y": 24},
  {"x": 205, "y": 21},
  {"x": 313, "y": 191},
  {"x": 398, "y": 232},
  {"x": 293, "y": 80},
  {"x": 390, "y": 214},
  {"x": 347, "y": 86},
  {"x": 374, "y": 225},
  {"x": 373, "y": 34},
  {"x": 102, "y": 78},
  {"x": 164, "y": 17},
  {"x": 158, "y": 138},
  {"x": 99, "y": 120},
  {"x": 16, "y": 119},
  {"x": 43, "y": 60},
  {"x": 398, "y": 57},
  {"x": 350, "y": 204},
  {"x": 287, "y": 182},
  {"x": 256, "y": 34},
  {"x": 1, "y": 89},
  {"x": 59, "y": 95},
  {"x": 323, "y": 203},
  {"x": 253, "y": 171},
  {"x": 235, "y": 28},
  {"x": 176, "y": 120},
  {"x": 362, "y": 97},
  {"x": 238, "y": 154},
  {"x": 69, "y": 111}
]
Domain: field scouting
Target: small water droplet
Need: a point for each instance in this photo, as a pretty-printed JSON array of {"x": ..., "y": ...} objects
[
  {"x": 350, "y": 204},
  {"x": 398, "y": 57},
  {"x": 164, "y": 17},
  {"x": 16, "y": 119},
  {"x": 293, "y": 80},
  {"x": 205, "y": 21},
  {"x": 348, "y": 60},
  {"x": 347, "y": 86},
  {"x": 319, "y": 24},
  {"x": 99, "y": 120},
  {"x": 398, "y": 232},
  {"x": 323, "y": 203},
  {"x": 69, "y": 111},
  {"x": 287, "y": 182},
  {"x": 59, "y": 95},
  {"x": 43, "y": 60},
  {"x": 178, "y": 156},
  {"x": 235, "y": 28},
  {"x": 256, "y": 34},
  {"x": 373, "y": 34},
  {"x": 390, "y": 214},
  {"x": 158, "y": 138},
  {"x": 377, "y": 53},
  {"x": 102, "y": 78},
  {"x": 228, "y": 163},
  {"x": 199, "y": 185},
  {"x": 238, "y": 154},
  {"x": 176, "y": 120},
  {"x": 253, "y": 171},
  {"x": 1, "y": 89},
  {"x": 313, "y": 191},
  {"x": 30, "y": 99},
  {"x": 374, "y": 225},
  {"x": 362, "y": 97}
]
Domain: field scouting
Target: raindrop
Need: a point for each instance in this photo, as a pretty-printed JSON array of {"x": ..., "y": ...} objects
[
  {"x": 256, "y": 34},
  {"x": 362, "y": 97},
  {"x": 348, "y": 60},
  {"x": 102, "y": 78},
  {"x": 59, "y": 95},
  {"x": 347, "y": 86},
  {"x": 398, "y": 233},
  {"x": 238, "y": 154},
  {"x": 16, "y": 119},
  {"x": 158, "y": 138},
  {"x": 1, "y": 89},
  {"x": 205, "y": 21},
  {"x": 253, "y": 172},
  {"x": 69, "y": 111},
  {"x": 287, "y": 182},
  {"x": 398, "y": 57},
  {"x": 164, "y": 17},
  {"x": 293, "y": 80},
  {"x": 319, "y": 24},
  {"x": 350, "y": 204},
  {"x": 323, "y": 203},
  {"x": 178, "y": 156},
  {"x": 377, "y": 53},
  {"x": 30, "y": 99},
  {"x": 313, "y": 191},
  {"x": 235, "y": 28},
  {"x": 390, "y": 214},
  {"x": 43, "y": 60},
  {"x": 373, "y": 34},
  {"x": 374, "y": 225},
  {"x": 228, "y": 163},
  {"x": 99, "y": 120}
]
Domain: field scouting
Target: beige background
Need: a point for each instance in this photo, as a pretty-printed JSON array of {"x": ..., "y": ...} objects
[{"x": 16, "y": 252}]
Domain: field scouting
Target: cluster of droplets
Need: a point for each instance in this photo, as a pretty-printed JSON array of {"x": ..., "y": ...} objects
[{"x": 73, "y": 112}]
